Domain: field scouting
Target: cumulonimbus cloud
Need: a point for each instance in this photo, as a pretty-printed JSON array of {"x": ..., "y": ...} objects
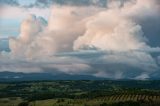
[{"x": 114, "y": 33}]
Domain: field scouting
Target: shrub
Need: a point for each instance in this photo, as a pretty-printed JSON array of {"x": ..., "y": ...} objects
[
  {"x": 23, "y": 104},
  {"x": 103, "y": 104}
]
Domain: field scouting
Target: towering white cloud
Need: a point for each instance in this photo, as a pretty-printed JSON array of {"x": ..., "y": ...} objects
[
  {"x": 30, "y": 28},
  {"x": 116, "y": 28},
  {"x": 39, "y": 39}
]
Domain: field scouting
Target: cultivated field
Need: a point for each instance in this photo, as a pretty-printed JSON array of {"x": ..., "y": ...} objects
[{"x": 80, "y": 93}]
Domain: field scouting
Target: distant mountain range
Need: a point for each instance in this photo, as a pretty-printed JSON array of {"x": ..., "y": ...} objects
[{"x": 19, "y": 76}]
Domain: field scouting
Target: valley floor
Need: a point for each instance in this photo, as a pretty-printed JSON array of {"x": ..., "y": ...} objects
[{"x": 80, "y": 93}]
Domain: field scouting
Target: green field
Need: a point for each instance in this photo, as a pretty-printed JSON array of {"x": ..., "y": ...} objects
[
  {"x": 80, "y": 93},
  {"x": 114, "y": 100}
]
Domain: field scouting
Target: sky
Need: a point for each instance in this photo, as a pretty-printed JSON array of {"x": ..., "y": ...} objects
[{"x": 117, "y": 39}]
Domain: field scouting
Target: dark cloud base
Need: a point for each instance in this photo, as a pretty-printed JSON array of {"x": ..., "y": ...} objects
[{"x": 9, "y": 2}]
